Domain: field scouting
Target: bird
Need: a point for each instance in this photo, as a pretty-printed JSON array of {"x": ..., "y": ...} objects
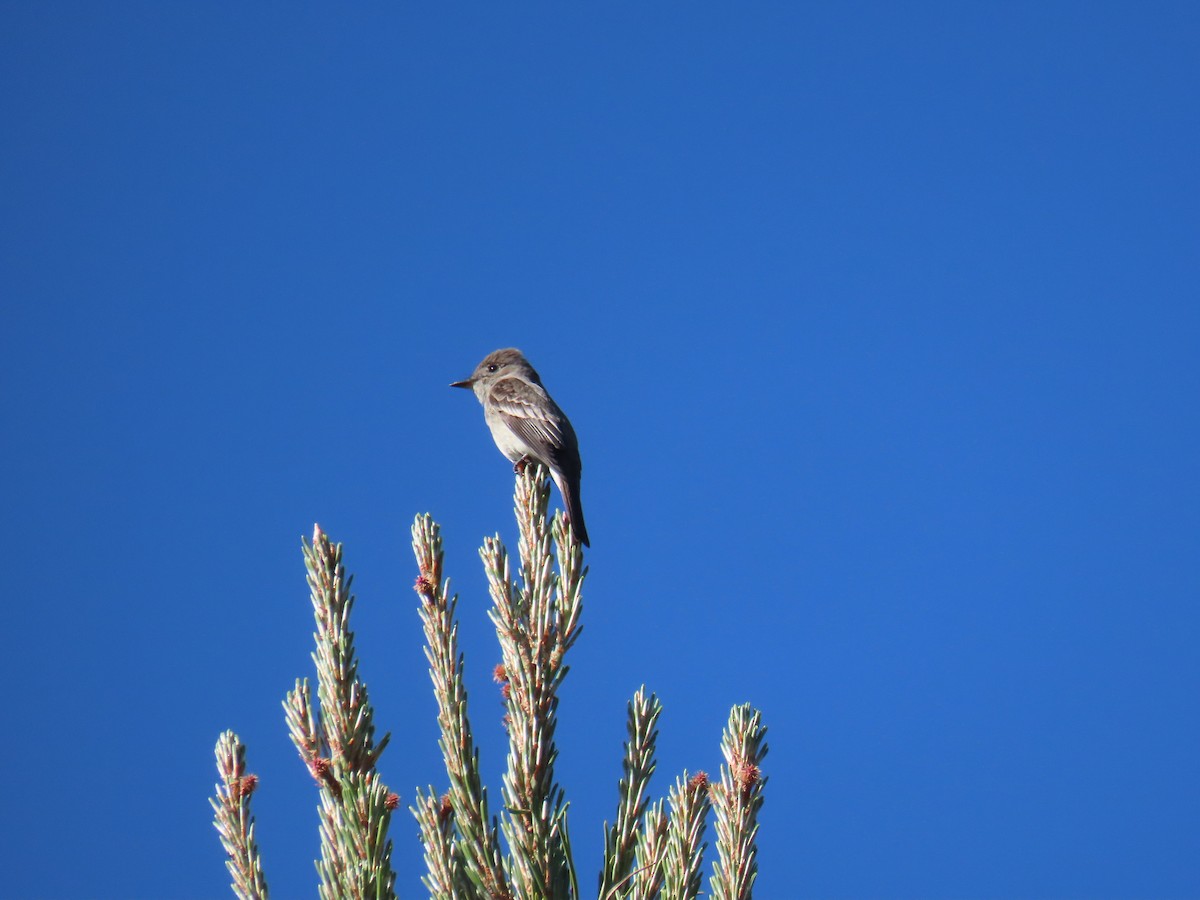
[{"x": 527, "y": 425}]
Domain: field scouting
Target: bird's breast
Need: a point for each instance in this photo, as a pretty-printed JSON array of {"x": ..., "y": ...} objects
[{"x": 506, "y": 439}]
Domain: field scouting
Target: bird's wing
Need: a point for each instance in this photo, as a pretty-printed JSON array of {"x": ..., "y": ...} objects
[{"x": 528, "y": 410}]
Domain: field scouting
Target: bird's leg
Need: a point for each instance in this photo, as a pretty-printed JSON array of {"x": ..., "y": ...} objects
[{"x": 520, "y": 464}]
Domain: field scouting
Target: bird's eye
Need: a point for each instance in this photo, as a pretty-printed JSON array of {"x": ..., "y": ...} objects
[{"x": 493, "y": 367}]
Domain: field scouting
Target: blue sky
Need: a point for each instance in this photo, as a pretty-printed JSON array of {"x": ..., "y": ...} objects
[{"x": 879, "y": 329}]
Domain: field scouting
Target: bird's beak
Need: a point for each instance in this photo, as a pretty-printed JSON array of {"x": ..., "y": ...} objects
[{"x": 468, "y": 383}]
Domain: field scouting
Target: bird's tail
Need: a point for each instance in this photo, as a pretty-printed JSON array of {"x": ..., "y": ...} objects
[{"x": 569, "y": 488}]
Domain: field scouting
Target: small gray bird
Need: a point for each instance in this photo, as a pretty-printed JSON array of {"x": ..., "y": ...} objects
[{"x": 527, "y": 424}]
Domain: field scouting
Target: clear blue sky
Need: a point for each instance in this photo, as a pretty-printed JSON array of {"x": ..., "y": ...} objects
[{"x": 879, "y": 327}]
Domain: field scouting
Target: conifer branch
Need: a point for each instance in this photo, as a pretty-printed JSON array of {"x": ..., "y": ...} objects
[
  {"x": 647, "y": 877},
  {"x": 537, "y": 622},
  {"x": 231, "y": 808},
  {"x": 445, "y": 877},
  {"x": 620, "y": 839},
  {"x": 336, "y": 741},
  {"x": 647, "y": 853},
  {"x": 736, "y": 802},
  {"x": 467, "y": 813},
  {"x": 685, "y": 838}
]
